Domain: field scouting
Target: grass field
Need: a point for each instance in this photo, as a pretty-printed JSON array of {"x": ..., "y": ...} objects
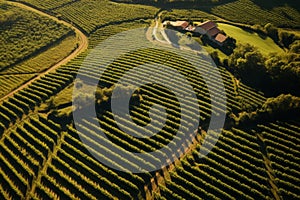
[{"x": 265, "y": 44}]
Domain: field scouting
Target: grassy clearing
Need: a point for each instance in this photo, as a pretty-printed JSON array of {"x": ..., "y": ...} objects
[
  {"x": 210, "y": 49},
  {"x": 265, "y": 44}
]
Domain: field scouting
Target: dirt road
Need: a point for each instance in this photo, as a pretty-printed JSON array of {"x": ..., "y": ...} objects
[{"x": 82, "y": 45}]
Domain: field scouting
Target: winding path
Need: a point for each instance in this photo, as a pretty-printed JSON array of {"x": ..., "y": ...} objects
[{"x": 82, "y": 46}]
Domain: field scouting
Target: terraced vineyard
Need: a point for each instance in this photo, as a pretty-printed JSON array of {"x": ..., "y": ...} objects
[
  {"x": 282, "y": 145},
  {"x": 43, "y": 156},
  {"x": 48, "y": 4}
]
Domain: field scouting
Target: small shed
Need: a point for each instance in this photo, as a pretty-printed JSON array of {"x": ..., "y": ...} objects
[
  {"x": 220, "y": 39},
  {"x": 180, "y": 25}
]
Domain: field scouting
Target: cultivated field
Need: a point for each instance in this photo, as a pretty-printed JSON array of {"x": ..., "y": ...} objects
[{"x": 42, "y": 156}]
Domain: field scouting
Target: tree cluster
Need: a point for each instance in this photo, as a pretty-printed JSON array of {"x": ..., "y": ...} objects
[
  {"x": 284, "y": 106},
  {"x": 247, "y": 63},
  {"x": 283, "y": 38},
  {"x": 274, "y": 74}
]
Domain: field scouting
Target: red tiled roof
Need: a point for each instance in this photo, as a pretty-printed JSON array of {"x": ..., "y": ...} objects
[
  {"x": 208, "y": 25},
  {"x": 214, "y": 31},
  {"x": 220, "y": 38}
]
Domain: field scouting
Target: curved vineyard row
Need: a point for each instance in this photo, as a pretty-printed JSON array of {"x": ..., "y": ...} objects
[
  {"x": 47, "y": 4},
  {"x": 282, "y": 145},
  {"x": 24, "y": 152},
  {"x": 11, "y": 82},
  {"x": 209, "y": 177}
]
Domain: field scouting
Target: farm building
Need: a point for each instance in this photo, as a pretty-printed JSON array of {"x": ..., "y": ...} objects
[
  {"x": 210, "y": 28},
  {"x": 179, "y": 25},
  {"x": 220, "y": 39},
  {"x": 190, "y": 28},
  {"x": 205, "y": 26},
  {"x": 213, "y": 32}
]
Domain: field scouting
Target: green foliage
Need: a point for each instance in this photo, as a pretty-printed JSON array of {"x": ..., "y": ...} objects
[
  {"x": 284, "y": 70},
  {"x": 274, "y": 74},
  {"x": 7, "y": 17},
  {"x": 248, "y": 64},
  {"x": 282, "y": 107},
  {"x": 271, "y": 31},
  {"x": 286, "y": 38}
]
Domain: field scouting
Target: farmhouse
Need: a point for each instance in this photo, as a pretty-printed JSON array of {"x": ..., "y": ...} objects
[
  {"x": 190, "y": 28},
  {"x": 208, "y": 28},
  {"x": 205, "y": 26},
  {"x": 211, "y": 30}
]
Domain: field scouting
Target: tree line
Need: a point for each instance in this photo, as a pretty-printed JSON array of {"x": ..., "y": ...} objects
[{"x": 282, "y": 107}]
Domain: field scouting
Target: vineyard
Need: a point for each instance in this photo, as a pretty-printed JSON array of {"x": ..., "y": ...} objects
[
  {"x": 42, "y": 153},
  {"x": 96, "y": 15},
  {"x": 31, "y": 44},
  {"x": 246, "y": 11},
  {"x": 242, "y": 174},
  {"x": 27, "y": 35}
]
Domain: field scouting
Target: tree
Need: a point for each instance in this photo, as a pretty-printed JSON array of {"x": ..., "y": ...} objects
[
  {"x": 286, "y": 38},
  {"x": 248, "y": 64},
  {"x": 272, "y": 31},
  {"x": 295, "y": 47}
]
